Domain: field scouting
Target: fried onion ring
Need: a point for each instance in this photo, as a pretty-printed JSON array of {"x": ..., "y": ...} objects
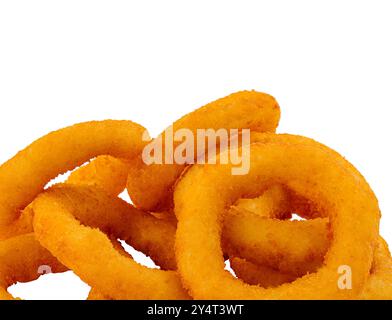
[
  {"x": 255, "y": 274},
  {"x": 379, "y": 284},
  {"x": 106, "y": 172},
  {"x": 273, "y": 203},
  {"x": 198, "y": 250},
  {"x": 377, "y": 287},
  {"x": 151, "y": 186},
  {"x": 269, "y": 242},
  {"x": 20, "y": 260},
  {"x": 24, "y": 176},
  {"x": 57, "y": 213}
]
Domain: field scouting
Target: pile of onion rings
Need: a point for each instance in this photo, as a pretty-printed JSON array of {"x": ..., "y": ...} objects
[{"x": 191, "y": 218}]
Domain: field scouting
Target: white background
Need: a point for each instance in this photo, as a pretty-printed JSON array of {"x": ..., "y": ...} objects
[{"x": 328, "y": 63}]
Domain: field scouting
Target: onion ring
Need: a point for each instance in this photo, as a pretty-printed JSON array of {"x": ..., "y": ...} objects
[
  {"x": 24, "y": 176},
  {"x": 273, "y": 203},
  {"x": 331, "y": 185},
  {"x": 255, "y": 274},
  {"x": 20, "y": 260},
  {"x": 377, "y": 287},
  {"x": 379, "y": 284},
  {"x": 242, "y": 110},
  {"x": 106, "y": 172},
  {"x": 57, "y": 228},
  {"x": 269, "y": 242},
  {"x": 22, "y": 257}
]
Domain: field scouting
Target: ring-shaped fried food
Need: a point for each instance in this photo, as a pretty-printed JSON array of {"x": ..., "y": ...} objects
[
  {"x": 377, "y": 287},
  {"x": 57, "y": 213},
  {"x": 24, "y": 176},
  {"x": 106, "y": 172},
  {"x": 379, "y": 284},
  {"x": 23, "y": 259},
  {"x": 199, "y": 208},
  {"x": 260, "y": 275},
  {"x": 273, "y": 203},
  {"x": 20, "y": 261},
  {"x": 293, "y": 247},
  {"x": 151, "y": 186}
]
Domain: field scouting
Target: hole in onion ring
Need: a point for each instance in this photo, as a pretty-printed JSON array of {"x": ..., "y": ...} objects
[
  {"x": 139, "y": 256},
  {"x": 229, "y": 268}
]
